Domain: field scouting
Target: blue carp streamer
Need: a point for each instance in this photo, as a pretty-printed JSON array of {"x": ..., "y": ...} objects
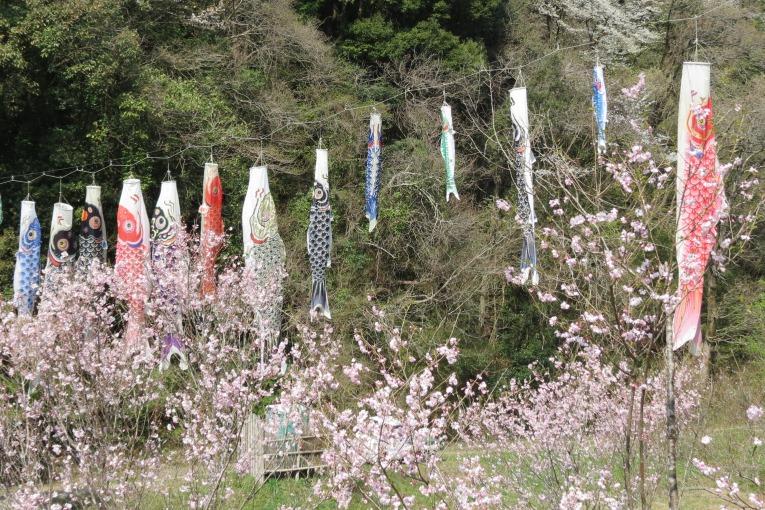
[
  {"x": 26, "y": 278},
  {"x": 374, "y": 169},
  {"x": 600, "y": 106}
]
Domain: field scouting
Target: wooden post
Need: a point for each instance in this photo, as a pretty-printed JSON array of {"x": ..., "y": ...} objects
[
  {"x": 259, "y": 459},
  {"x": 252, "y": 447},
  {"x": 671, "y": 419}
]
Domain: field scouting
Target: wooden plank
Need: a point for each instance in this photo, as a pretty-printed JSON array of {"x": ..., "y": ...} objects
[{"x": 271, "y": 456}]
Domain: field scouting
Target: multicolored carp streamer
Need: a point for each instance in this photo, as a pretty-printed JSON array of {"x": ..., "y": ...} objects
[
  {"x": 92, "y": 245},
  {"x": 447, "y": 150},
  {"x": 600, "y": 106},
  {"x": 167, "y": 259},
  {"x": 374, "y": 169},
  {"x": 26, "y": 278},
  {"x": 524, "y": 159},
  {"x": 700, "y": 199},
  {"x": 61, "y": 250},
  {"x": 166, "y": 221},
  {"x": 211, "y": 234},
  {"x": 264, "y": 252},
  {"x": 319, "y": 236},
  {"x": 131, "y": 267}
]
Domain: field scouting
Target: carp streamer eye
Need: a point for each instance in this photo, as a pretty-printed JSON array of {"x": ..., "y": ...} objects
[
  {"x": 160, "y": 222},
  {"x": 62, "y": 244}
]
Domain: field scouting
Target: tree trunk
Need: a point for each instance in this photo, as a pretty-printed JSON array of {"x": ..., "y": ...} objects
[
  {"x": 711, "y": 326},
  {"x": 671, "y": 420},
  {"x": 628, "y": 449},
  {"x": 641, "y": 442}
]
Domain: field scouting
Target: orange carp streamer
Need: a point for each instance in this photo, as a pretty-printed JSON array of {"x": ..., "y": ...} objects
[
  {"x": 700, "y": 200},
  {"x": 211, "y": 236},
  {"x": 131, "y": 266}
]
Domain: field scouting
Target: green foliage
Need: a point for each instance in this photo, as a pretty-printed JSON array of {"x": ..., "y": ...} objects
[
  {"x": 741, "y": 337},
  {"x": 376, "y": 40},
  {"x": 461, "y": 33},
  {"x": 84, "y": 81},
  {"x": 8, "y": 246}
]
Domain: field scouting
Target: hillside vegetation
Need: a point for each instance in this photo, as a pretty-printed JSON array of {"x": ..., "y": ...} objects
[{"x": 90, "y": 82}]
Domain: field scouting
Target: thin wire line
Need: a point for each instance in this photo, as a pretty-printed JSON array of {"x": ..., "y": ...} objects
[
  {"x": 697, "y": 16},
  {"x": 31, "y": 177},
  {"x": 82, "y": 168}
]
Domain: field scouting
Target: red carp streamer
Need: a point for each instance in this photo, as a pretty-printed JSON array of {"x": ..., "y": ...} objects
[
  {"x": 211, "y": 239},
  {"x": 132, "y": 259},
  {"x": 700, "y": 199}
]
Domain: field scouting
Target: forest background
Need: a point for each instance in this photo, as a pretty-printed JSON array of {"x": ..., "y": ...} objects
[{"x": 91, "y": 81}]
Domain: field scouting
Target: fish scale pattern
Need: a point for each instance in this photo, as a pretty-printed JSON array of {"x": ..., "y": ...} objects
[
  {"x": 27, "y": 274},
  {"x": 701, "y": 203},
  {"x": 320, "y": 234},
  {"x": 373, "y": 169},
  {"x": 320, "y": 247}
]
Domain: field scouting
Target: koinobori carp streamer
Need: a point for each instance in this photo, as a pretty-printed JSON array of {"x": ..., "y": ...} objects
[
  {"x": 700, "y": 199},
  {"x": 131, "y": 268},
  {"x": 319, "y": 236},
  {"x": 524, "y": 180}
]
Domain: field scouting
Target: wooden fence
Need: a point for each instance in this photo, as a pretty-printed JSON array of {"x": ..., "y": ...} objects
[{"x": 268, "y": 455}]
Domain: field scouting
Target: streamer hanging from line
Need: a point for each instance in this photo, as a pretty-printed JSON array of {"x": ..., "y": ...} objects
[
  {"x": 132, "y": 259},
  {"x": 92, "y": 245},
  {"x": 524, "y": 181},
  {"x": 373, "y": 168},
  {"x": 447, "y": 150},
  {"x": 600, "y": 105},
  {"x": 700, "y": 199},
  {"x": 26, "y": 277},
  {"x": 264, "y": 255},
  {"x": 168, "y": 259},
  {"x": 61, "y": 250},
  {"x": 211, "y": 232},
  {"x": 166, "y": 221},
  {"x": 319, "y": 235}
]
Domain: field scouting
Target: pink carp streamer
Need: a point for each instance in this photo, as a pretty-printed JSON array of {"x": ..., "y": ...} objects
[
  {"x": 700, "y": 199},
  {"x": 211, "y": 235},
  {"x": 132, "y": 261}
]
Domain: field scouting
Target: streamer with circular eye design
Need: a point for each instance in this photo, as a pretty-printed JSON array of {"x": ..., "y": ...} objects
[
  {"x": 92, "y": 239},
  {"x": 319, "y": 235},
  {"x": 26, "y": 277},
  {"x": 373, "y": 169},
  {"x": 61, "y": 249},
  {"x": 211, "y": 232},
  {"x": 700, "y": 199},
  {"x": 170, "y": 262},
  {"x": 264, "y": 253},
  {"x": 131, "y": 267}
]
